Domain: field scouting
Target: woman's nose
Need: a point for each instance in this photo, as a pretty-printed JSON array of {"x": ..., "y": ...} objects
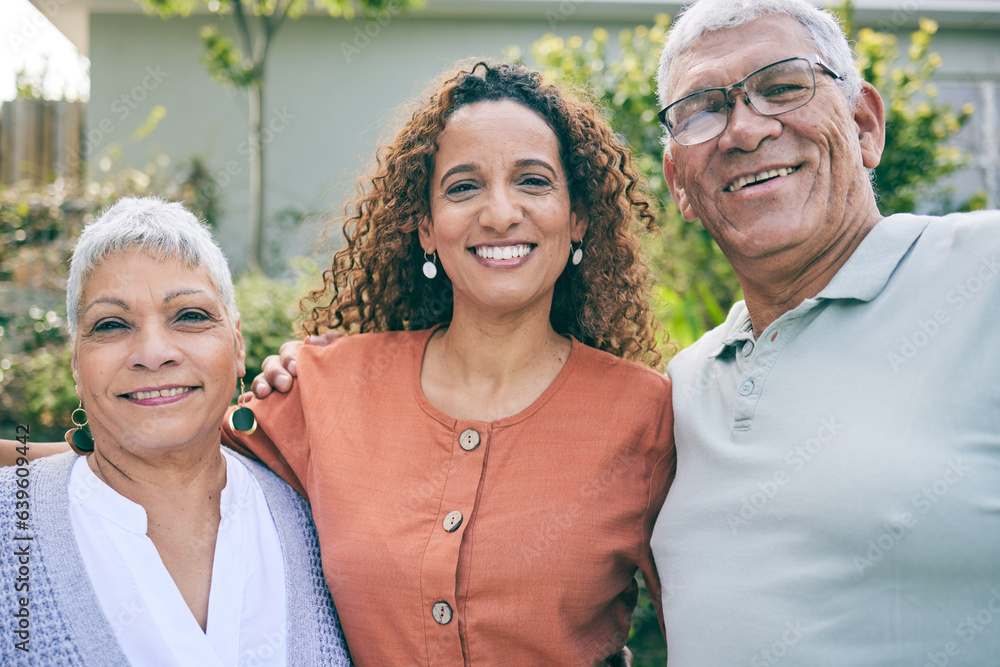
[{"x": 154, "y": 347}]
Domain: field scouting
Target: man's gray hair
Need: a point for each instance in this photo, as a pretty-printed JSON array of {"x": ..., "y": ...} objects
[
  {"x": 705, "y": 16},
  {"x": 165, "y": 230}
]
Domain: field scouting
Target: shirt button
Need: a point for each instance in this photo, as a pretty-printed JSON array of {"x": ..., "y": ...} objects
[
  {"x": 441, "y": 613},
  {"x": 452, "y": 521},
  {"x": 469, "y": 439},
  {"x": 747, "y": 348},
  {"x": 746, "y": 388},
  {"x": 774, "y": 336}
]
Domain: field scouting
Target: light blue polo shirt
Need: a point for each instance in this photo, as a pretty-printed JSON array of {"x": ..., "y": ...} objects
[{"x": 837, "y": 499}]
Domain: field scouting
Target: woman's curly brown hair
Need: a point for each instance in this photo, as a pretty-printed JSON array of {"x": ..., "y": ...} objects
[{"x": 375, "y": 283}]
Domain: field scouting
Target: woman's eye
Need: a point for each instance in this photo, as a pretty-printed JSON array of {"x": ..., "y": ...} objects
[
  {"x": 536, "y": 181},
  {"x": 107, "y": 326},
  {"x": 460, "y": 188},
  {"x": 193, "y": 316}
]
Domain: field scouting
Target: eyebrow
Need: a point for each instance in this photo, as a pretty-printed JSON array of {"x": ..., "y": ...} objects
[
  {"x": 113, "y": 302},
  {"x": 526, "y": 162},
  {"x": 124, "y": 306},
  {"x": 174, "y": 295}
]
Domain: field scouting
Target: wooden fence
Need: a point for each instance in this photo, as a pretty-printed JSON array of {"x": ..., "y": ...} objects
[{"x": 41, "y": 140}]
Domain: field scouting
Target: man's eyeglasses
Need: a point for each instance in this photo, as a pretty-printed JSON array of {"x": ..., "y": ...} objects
[{"x": 772, "y": 90}]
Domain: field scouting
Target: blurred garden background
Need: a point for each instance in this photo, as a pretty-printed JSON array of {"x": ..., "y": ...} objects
[{"x": 261, "y": 124}]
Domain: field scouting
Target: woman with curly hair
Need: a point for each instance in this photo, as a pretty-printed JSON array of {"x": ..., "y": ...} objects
[{"x": 485, "y": 460}]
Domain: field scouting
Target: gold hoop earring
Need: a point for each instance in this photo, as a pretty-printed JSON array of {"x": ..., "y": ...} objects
[
  {"x": 79, "y": 440},
  {"x": 242, "y": 419}
]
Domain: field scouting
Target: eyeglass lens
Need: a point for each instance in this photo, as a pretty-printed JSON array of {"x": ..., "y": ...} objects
[{"x": 773, "y": 90}]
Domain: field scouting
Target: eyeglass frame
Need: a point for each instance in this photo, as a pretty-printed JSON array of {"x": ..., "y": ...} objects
[{"x": 813, "y": 59}]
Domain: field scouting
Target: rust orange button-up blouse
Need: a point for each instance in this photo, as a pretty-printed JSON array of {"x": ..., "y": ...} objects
[{"x": 450, "y": 542}]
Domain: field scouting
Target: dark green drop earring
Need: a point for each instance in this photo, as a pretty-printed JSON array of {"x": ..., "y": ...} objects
[
  {"x": 242, "y": 420},
  {"x": 78, "y": 439}
]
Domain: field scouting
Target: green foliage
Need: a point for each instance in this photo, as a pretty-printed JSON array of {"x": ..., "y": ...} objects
[
  {"x": 269, "y": 310},
  {"x": 917, "y": 127}
]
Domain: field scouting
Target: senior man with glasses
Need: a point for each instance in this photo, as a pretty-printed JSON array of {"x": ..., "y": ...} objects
[{"x": 837, "y": 499}]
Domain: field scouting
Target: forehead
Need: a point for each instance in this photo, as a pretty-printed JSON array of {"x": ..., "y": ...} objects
[
  {"x": 495, "y": 130},
  {"x": 134, "y": 274},
  {"x": 722, "y": 57}
]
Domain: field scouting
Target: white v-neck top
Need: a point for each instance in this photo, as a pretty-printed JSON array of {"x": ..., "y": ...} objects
[{"x": 152, "y": 623}]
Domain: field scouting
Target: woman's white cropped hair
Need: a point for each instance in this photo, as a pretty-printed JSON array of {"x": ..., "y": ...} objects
[
  {"x": 705, "y": 16},
  {"x": 165, "y": 230}
]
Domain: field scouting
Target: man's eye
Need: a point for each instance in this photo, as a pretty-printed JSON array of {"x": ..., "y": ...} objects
[{"x": 782, "y": 90}]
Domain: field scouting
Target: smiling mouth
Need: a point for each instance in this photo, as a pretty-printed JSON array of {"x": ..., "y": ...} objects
[
  {"x": 159, "y": 393},
  {"x": 744, "y": 181},
  {"x": 503, "y": 252}
]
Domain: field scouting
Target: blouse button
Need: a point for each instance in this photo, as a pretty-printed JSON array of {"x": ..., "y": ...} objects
[
  {"x": 469, "y": 439},
  {"x": 441, "y": 613},
  {"x": 452, "y": 521}
]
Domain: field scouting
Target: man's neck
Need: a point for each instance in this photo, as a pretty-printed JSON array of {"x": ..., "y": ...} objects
[{"x": 772, "y": 287}]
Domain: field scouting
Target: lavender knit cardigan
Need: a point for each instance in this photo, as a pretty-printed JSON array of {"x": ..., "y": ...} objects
[{"x": 66, "y": 625}]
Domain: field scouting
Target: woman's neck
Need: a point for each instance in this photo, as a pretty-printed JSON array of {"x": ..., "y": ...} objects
[
  {"x": 181, "y": 494},
  {"x": 486, "y": 369}
]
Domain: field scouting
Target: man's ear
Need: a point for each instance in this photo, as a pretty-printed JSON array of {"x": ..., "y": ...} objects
[
  {"x": 870, "y": 119},
  {"x": 677, "y": 190},
  {"x": 424, "y": 234}
]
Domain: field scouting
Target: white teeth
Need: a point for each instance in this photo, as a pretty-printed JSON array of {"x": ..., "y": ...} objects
[
  {"x": 744, "y": 181},
  {"x": 505, "y": 252},
  {"x": 142, "y": 395}
]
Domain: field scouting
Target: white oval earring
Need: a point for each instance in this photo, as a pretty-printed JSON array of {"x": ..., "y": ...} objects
[
  {"x": 430, "y": 268},
  {"x": 577, "y": 256}
]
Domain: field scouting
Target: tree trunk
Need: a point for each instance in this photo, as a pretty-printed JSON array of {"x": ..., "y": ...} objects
[{"x": 256, "y": 254}]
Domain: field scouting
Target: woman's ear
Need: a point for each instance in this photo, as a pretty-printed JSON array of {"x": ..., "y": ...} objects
[
  {"x": 241, "y": 351},
  {"x": 577, "y": 226},
  {"x": 76, "y": 374},
  {"x": 424, "y": 232}
]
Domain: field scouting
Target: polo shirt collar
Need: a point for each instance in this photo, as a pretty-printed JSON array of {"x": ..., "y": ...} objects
[
  {"x": 862, "y": 277},
  {"x": 867, "y": 271}
]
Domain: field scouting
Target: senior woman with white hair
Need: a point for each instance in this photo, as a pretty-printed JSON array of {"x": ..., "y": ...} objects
[{"x": 158, "y": 547}]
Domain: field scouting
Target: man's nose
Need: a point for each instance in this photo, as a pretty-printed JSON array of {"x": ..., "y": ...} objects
[{"x": 746, "y": 127}]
